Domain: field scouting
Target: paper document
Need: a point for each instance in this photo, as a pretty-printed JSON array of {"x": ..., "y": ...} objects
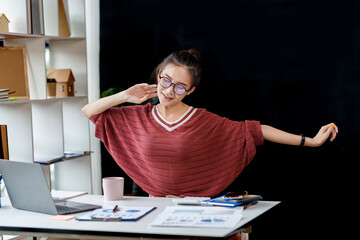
[
  {"x": 64, "y": 195},
  {"x": 207, "y": 217},
  {"x": 122, "y": 214}
]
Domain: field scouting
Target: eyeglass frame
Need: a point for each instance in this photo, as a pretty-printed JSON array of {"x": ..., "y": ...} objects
[{"x": 174, "y": 85}]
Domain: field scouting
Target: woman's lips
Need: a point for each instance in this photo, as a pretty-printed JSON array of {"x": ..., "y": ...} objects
[{"x": 167, "y": 98}]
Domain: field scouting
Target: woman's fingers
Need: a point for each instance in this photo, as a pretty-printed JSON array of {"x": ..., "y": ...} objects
[{"x": 331, "y": 130}]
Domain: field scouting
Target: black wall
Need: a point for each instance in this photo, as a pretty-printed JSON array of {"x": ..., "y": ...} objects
[{"x": 293, "y": 64}]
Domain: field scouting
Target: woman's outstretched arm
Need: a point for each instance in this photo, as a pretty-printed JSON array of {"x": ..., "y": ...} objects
[{"x": 278, "y": 136}]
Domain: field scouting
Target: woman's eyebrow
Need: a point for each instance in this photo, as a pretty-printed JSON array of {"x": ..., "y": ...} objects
[
  {"x": 167, "y": 75},
  {"x": 181, "y": 83}
]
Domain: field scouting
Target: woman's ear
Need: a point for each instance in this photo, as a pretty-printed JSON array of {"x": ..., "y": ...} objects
[{"x": 191, "y": 90}]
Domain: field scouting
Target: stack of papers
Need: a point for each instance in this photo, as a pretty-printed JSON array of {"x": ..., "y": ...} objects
[
  {"x": 4, "y": 94},
  {"x": 204, "y": 217}
]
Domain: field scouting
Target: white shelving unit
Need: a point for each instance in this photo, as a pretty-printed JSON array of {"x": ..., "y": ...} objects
[{"x": 41, "y": 126}]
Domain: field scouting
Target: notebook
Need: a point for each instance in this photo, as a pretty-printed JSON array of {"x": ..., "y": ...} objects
[{"x": 28, "y": 190}]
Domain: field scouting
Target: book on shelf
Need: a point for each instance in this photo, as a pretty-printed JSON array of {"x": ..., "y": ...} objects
[
  {"x": 4, "y": 91},
  {"x": 37, "y": 17},
  {"x": 4, "y": 94},
  {"x": 4, "y": 148}
]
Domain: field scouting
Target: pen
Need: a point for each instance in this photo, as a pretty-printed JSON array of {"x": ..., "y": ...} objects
[{"x": 115, "y": 208}]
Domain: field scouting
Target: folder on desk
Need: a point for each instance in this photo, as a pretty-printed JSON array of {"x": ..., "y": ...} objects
[{"x": 123, "y": 213}]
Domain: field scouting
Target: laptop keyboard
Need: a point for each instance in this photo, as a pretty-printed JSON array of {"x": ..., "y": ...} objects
[{"x": 64, "y": 209}]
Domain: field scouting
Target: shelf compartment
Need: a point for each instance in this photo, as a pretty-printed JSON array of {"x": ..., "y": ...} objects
[
  {"x": 64, "y": 172},
  {"x": 16, "y": 12},
  {"x": 76, "y": 125},
  {"x": 70, "y": 54},
  {"x": 47, "y": 128},
  {"x": 18, "y": 119},
  {"x": 35, "y": 61}
]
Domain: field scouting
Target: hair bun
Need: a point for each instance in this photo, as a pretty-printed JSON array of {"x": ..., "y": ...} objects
[{"x": 195, "y": 53}]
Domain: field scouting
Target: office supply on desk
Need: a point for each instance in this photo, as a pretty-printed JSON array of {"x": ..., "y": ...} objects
[
  {"x": 115, "y": 208},
  {"x": 203, "y": 217},
  {"x": 28, "y": 190},
  {"x": 190, "y": 200},
  {"x": 232, "y": 201},
  {"x": 113, "y": 188},
  {"x": 116, "y": 214}
]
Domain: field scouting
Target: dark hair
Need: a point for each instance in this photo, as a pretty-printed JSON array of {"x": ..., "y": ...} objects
[{"x": 189, "y": 58}]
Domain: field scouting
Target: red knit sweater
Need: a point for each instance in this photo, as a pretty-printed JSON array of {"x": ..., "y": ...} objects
[{"x": 198, "y": 155}]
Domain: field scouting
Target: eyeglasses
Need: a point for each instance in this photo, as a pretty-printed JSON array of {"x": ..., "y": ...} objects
[
  {"x": 236, "y": 195},
  {"x": 166, "y": 83}
]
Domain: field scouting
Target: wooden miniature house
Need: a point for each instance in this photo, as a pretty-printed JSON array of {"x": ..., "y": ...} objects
[
  {"x": 64, "y": 82},
  {"x": 4, "y": 23}
]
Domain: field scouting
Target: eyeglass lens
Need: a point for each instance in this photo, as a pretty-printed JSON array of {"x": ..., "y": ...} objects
[{"x": 166, "y": 83}]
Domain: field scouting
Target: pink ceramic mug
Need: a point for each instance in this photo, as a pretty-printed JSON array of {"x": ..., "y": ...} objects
[{"x": 113, "y": 188}]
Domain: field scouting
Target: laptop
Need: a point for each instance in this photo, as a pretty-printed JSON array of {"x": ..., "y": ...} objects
[{"x": 28, "y": 190}]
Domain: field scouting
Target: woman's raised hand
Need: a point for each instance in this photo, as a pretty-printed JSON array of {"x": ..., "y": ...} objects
[
  {"x": 139, "y": 93},
  {"x": 325, "y": 131}
]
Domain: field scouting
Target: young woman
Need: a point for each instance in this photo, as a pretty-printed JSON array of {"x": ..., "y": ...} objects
[{"x": 175, "y": 149}]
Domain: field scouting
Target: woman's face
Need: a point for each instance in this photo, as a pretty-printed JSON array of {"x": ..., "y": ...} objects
[{"x": 178, "y": 75}]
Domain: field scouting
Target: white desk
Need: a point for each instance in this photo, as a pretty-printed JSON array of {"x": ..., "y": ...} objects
[{"x": 18, "y": 222}]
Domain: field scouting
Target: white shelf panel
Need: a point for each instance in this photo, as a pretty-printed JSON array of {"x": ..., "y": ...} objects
[
  {"x": 64, "y": 173},
  {"x": 51, "y": 17},
  {"x": 18, "y": 119},
  {"x": 76, "y": 125},
  {"x": 9, "y": 35},
  {"x": 77, "y": 18},
  {"x": 48, "y": 128}
]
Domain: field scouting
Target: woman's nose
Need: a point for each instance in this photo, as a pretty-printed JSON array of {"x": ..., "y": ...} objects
[{"x": 170, "y": 90}]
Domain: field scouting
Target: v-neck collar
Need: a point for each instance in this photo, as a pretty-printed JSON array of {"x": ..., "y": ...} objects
[{"x": 171, "y": 126}]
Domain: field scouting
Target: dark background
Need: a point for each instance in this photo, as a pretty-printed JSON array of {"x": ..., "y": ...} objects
[{"x": 293, "y": 64}]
